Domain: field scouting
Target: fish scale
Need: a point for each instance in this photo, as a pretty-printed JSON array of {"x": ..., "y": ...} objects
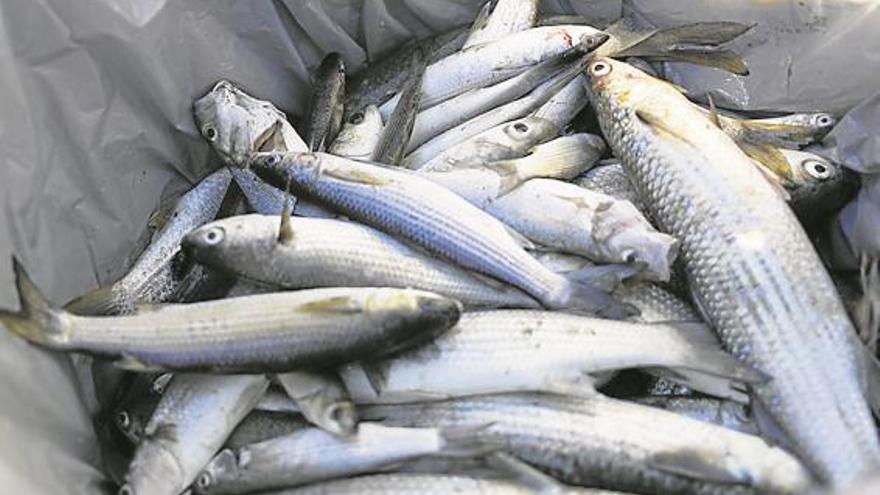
[{"x": 754, "y": 273}]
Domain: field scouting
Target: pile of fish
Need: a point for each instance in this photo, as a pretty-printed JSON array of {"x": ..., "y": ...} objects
[{"x": 446, "y": 284}]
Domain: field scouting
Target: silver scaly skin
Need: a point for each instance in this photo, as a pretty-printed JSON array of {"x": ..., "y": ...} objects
[
  {"x": 753, "y": 271},
  {"x": 613, "y": 444},
  {"x": 330, "y": 253},
  {"x": 413, "y": 208},
  {"x": 608, "y": 177},
  {"x": 191, "y": 422},
  {"x": 152, "y": 278},
  {"x": 724, "y": 413},
  {"x": 500, "y": 18}
]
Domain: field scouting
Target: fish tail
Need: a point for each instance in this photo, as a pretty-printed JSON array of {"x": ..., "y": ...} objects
[
  {"x": 36, "y": 321},
  {"x": 693, "y": 43},
  {"x": 99, "y": 302},
  {"x": 467, "y": 441}
]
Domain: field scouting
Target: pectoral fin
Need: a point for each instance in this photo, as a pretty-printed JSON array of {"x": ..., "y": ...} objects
[
  {"x": 693, "y": 463},
  {"x": 332, "y": 305},
  {"x": 353, "y": 175}
]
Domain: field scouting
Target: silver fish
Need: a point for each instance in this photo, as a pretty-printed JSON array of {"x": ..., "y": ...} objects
[
  {"x": 788, "y": 131},
  {"x": 724, "y": 413},
  {"x": 268, "y": 332},
  {"x": 754, "y": 273},
  {"x": 521, "y": 350},
  {"x": 325, "y": 113},
  {"x": 330, "y": 253},
  {"x": 613, "y": 444},
  {"x": 818, "y": 187},
  {"x": 500, "y": 18},
  {"x": 416, "y": 209},
  {"x": 260, "y": 425},
  {"x": 310, "y": 455},
  {"x": 270, "y": 200},
  {"x": 360, "y": 135},
  {"x": 610, "y": 178},
  {"x": 322, "y": 398},
  {"x": 153, "y": 277},
  {"x": 237, "y": 124},
  {"x": 562, "y": 107},
  {"x": 189, "y": 426}
]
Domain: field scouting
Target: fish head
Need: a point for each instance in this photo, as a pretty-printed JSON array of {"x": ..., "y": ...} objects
[
  {"x": 612, "y": 84},
  {"x": 822, "y": 123},
  {"x": 224, "y": 465},
  {"x": 281, "y": 168},
  {"x": 818, "y": 185},
  {"x": 418, "y": 315},
  {"x": 628, "y": 238},
  {"x": 359, "y": 133},
  {"x": 229, "y": 242},
  {"x": 529, "y": 130},
  {"x": 235, "y": 123},
  {"x": 154, "y": 469}
]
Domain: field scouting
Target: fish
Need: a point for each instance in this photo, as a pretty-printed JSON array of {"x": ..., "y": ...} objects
[
  {"x": 360, "y": 135},
  {"x": 311, "y": 454},
  {"x": 268, "y": 332},
  {"x": 433, "y": 121},
  {"x": 490, "y": 63},
  {"x": 788, "y": 131},
  {"x": 158, "y": 271},
  {"x": 562, "y": 107},
  {"x": 577, "y": 221},
  {"x": 267, "y": 199},
  {"x": 380, "y": 80},
  {"x": 516, "y": 109},
  {"x": 501, "y": 18},
  {"x": 322, "y": 398},
  {"x": 818, "y": 186},
  {"x": 499, "y": 351},
  {"x": 728, "y": 414},
  {"x": 509, "y": 140},
  {"x": 753, "y": 272},
  {"x": 236, "y": 124},
  {"x": 330, "y": 253},
  {"x": 410, "y": 207},
  {"x": 325, "y": 113},
  {"x": 260, "y": 425},
  {"x": 193, "y": 419},
  {"x": 612, "y": 444},
  {"x": 399, "y": 124},
  {"x": 609, "y": 177}
]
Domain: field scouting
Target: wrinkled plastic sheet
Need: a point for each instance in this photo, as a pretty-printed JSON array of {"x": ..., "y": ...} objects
[{"x": 96, "y": 130}]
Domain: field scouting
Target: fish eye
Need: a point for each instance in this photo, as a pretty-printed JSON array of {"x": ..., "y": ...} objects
[
  {"x": 125, "y": 490},
  {"x": 817, "y": 169},
  {"x": 209, "y": 132},
  {"x": 823, "y": 120},
  {"x": 123, "y": 420},
  {"x": 273, "y": 160},
  {"x": 214, "y": 236},
  {"x": 600, "y": 68},
  {"x": 204, "y": 480},
  {"x": 356, "y": 118},
  {"x": 520, "y": 127}
]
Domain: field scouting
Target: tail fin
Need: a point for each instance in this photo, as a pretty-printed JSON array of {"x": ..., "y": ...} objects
[
  {"x": 99, "y": 302},
  {"x": 36, "y": 321},
  {"x": 468, "y": 441}
]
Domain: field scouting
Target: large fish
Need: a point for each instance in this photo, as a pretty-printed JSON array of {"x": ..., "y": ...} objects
[
  {"x": 614, "y": 444},
  {"x": 329, "y": 253},
  {"x": 752, "y": 270},
  {"x": 416, "y": 209},
  {"x": 156, "y": 275},
  {"x": 268, "y": 332}
]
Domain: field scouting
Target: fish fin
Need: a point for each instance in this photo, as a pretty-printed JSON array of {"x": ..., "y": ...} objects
[
  {"x": 794, "y": 135},
  {"x": 356, "y": 176},
  {"x": 36, "y": 320},
  {"x": 691, "y": 463},
  {"x": 708, "y": 357},
  {"x": 524, "y": 473},
  {"x": 657, "y": 122},
  {"x": 767, "y": 160},
  {"x": 520, "y": 239},
  {"x": 164, "y": 431},
  {"x": 580, "y": 385},
  {"x": 465, "y": 441},
  {"x": 606, "y": 277},
  {"x": 376, "y": 376},
  {"x": 866, "y": 314},
  {"x": 701, "y": 382},
  {"x": 332, "y": 305},
  {"x": 713, "y": 111},
  {"x": 131, "y": 362},
  {"x": 719, "y": 59},
  {"x": 593, "y": 300},
  {"x": 267, "y": 139},
  {"x": 704, "y": 33},
  {"x": 398, "y": 129},
  {"x": 285, "y": 229},
  {"x": 767, "y": 426},
  {"x": 508, "y": 173},
  {"x": 99, "y": 302},
  {"x": 160, "y": 216}
]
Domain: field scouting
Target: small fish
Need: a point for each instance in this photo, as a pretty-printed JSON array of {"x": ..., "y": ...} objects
[
  {"x": 413, "y": 208},
  {"x": 236, "y": 124},
  {"x": 789, "y": 131},
  {"x": 724, "y": 413},
  {"x": 325, "y": 113},
  {"x": 268, "y": 332},
  {"x": 330, "y": 253},
  {"x": 157, "y": 273},
  {"x": 491, "y": 352},
  {"x": 613, "y": 444},
  {"x": 322, "y": 398},
  {"x": 501, "y": 18},
  {"x": 360, "y": 135},
  {"x": 193, "y": 419},
  {"x": 311, "y": 454}
]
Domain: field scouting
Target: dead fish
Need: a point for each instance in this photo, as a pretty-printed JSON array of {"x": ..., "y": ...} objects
[
  {"x": 325, "y": 113},
  {"x": 360, "y": 135},
  {"x": 501, "y": 18},
  {"x": 322, "y": 398}
]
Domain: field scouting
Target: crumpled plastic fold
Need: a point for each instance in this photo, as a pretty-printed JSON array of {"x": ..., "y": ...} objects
[{"x": 96, "y": 131}]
